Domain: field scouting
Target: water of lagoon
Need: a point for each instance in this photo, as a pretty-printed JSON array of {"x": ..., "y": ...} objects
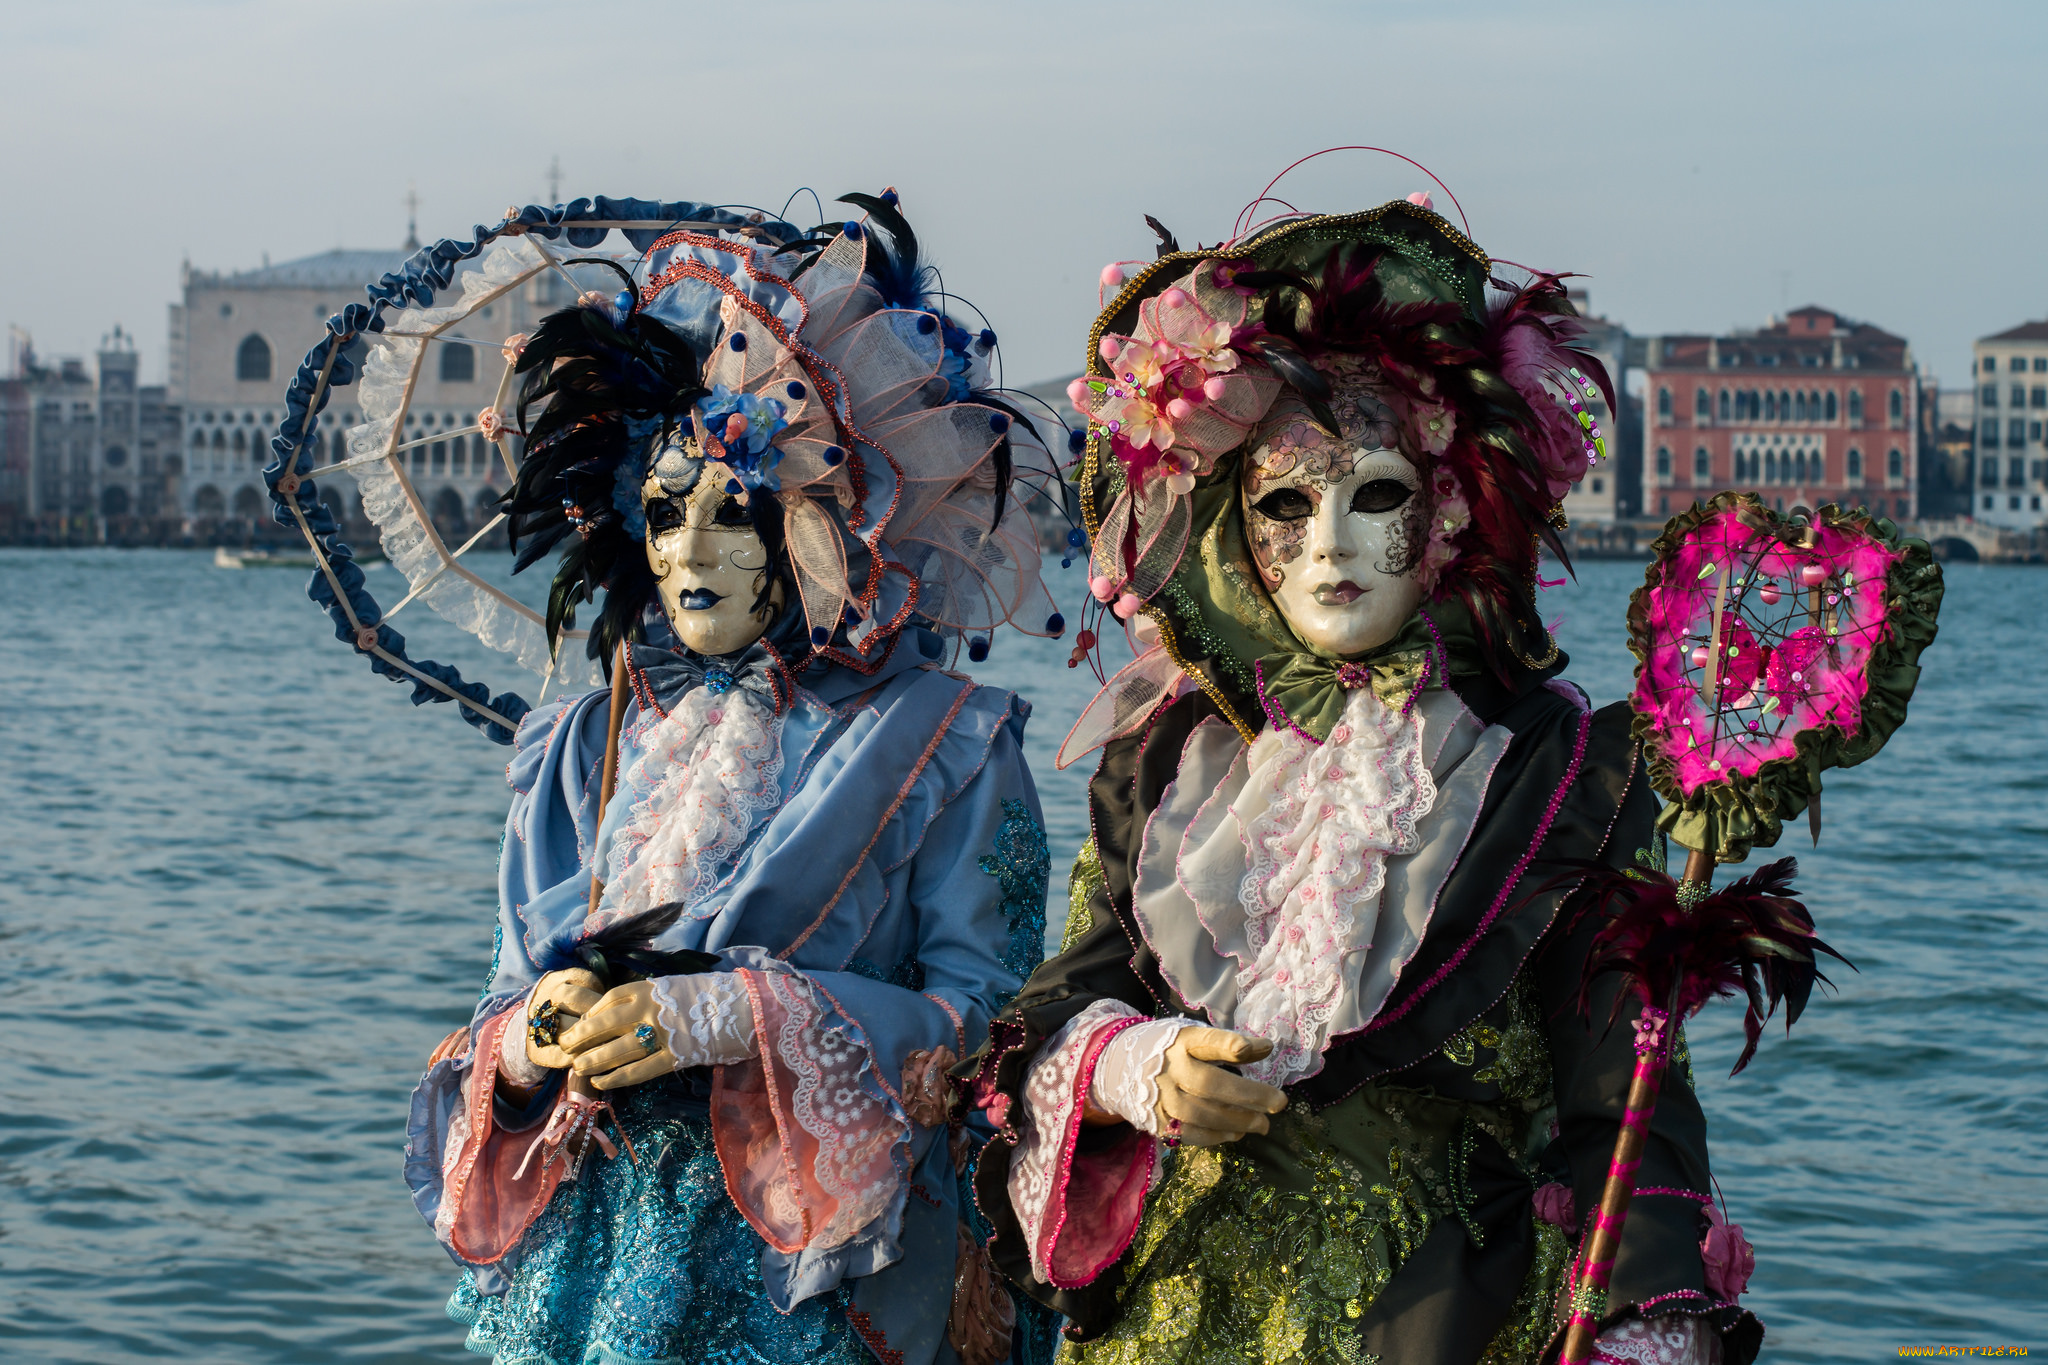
[{"x": 246, "y": 889}]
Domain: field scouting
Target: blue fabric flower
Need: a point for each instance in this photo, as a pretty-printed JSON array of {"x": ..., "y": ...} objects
[{"x": 749, "y": 441}]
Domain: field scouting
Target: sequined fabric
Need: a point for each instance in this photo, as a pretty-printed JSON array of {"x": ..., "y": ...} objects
[
  {"x": 1082, "y": 883},
  {"x": 1271, "y": 1249},
  {"x": 649, "y": 1262},
  {"x": 1020, "y": 864}
]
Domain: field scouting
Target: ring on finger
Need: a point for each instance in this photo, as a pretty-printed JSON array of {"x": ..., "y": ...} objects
[{"x": 645, "y": 1033}]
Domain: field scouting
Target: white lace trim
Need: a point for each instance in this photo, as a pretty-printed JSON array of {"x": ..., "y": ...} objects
[
  {"x": 1126, "y": 1079},
  {"x": 710, "y": 771},
  {"x": 1049, "y": 1103},
  {"x": 706, "y": 1020},
  {"x": 384, "y": 391},
  {"x": 1674, "y": 1339},
  {"x": 1334, "y": 813},
  {"x": 855, "y": 1132}
]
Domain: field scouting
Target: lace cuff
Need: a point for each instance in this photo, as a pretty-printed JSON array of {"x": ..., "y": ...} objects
[
  {"x": 1079, "y": 1210},
  {"x": 1126, "y": 1081},
  {"x": 813, "y": 1143},
  {"x": 705, "y": 1019},
  {"x": 514, "y": 1065},
  {"x": 1674, "y": 1339}
]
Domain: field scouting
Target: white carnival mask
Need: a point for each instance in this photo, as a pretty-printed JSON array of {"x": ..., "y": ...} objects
[
  {"x": 711, "y": 562},
  {"x": 1337, "y": 527}
]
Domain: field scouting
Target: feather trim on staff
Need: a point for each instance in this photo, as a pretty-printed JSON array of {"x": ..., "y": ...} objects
[{"x": 1750, "y": 938}]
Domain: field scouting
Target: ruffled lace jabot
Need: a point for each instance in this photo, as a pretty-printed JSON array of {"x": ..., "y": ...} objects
[
  {"x": 1333, "y": 814},
  {"x": 708, "y": 772}
]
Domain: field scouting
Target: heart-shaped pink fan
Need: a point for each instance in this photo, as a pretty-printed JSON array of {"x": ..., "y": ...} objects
[{"x": 1771, "y": 648}]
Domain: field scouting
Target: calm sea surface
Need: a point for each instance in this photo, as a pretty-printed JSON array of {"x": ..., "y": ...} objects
[{"x": 244, "y": 888}]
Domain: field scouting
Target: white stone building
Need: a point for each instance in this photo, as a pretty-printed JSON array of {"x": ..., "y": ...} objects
[
  {"x": 236, "y": 338},
  {"x": 2012, "y": 405}
]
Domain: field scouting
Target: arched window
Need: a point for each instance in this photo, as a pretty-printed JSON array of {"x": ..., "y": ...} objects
[
  {"x": 1818, "y": 468},
  {"x": 1702, "y": 406},
  {"x": 1799, "y": 467},
  {"x": 1855, "y": 465},
  {"x": 337, "y": 445},
  {"x": 252, "y": 358},
  {"x": 1702, "y": 466},
  {"x": 1770, "y": 406},
  {"x": 1855, "y": 405},
  {"x": 1831, "y": 405},
  {"x": 248, "y": 503},
  {"x": 1898, "y": 405},
  {"x": 1895, "y": 461},
  {"x": 1724, "y": 405},
  {"x": 1663, "y": 462},
  {"x": 440, "y": 457},
  {"x": 1784, "y": 406},
  {"x": 448, "y": 510},
  {"x": 1770, "y": 466},
  {"x": 1799, "y": 406},
  {"x": 241, "y": 439},
  {"x": 208, "y": 502},
  {"x": 1664, "y": 405},
  {"x": 458, "y": 364},
  {"x": 198, "y": 439},
  {"x": 114, "y": 501},
  {"x": 220, "y": 439}
]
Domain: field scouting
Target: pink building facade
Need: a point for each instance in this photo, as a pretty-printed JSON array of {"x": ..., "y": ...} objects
[{"x": 1814, "y": 408}]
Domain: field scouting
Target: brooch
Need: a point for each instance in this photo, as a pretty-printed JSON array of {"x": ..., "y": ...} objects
[{"x": 544, "y": 1026}]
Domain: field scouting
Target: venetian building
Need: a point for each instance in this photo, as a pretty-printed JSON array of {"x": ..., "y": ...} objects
[
  {"x": 235, "y": 339},
  {"x": 1811, "y": 409},
  {"x": 2011, "y": 408}
]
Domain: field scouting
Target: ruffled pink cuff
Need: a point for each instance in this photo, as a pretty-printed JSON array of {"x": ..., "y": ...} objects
[
  {"x": 493, "y": 1192},
  {"x": 810, "y": 1154},
  {"x": 1079, "y": 1211}
]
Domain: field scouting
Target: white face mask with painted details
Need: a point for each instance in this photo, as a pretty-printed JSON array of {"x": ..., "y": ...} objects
[
  {"x": 1337, "y": 528},
  {"x": 711, "y": 563}
]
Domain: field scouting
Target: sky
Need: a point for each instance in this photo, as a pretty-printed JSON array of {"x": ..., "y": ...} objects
[{"x": 1705, "y": 165}]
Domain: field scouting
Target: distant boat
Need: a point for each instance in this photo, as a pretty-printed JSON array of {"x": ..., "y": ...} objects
[{"x": 224, "y": 558}]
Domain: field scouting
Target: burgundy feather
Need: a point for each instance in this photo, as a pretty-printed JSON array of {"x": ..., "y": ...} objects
[{"x": 1749, "y": 938}]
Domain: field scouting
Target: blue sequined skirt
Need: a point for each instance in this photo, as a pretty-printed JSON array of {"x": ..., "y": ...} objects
[{"x": 633, "y": 1264}]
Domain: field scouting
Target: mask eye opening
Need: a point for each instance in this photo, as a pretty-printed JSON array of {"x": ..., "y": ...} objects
[
  {"x": 663, "y": 515},
  {"x": 1285, "y": 504},
  {"x": 1376, "y": 496}
]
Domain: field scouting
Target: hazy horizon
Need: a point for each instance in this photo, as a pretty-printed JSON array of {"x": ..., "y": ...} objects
[{"x": 1704, "y": 173}]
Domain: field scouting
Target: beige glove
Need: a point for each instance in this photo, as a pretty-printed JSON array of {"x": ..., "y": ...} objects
[
  {"x": 646, "y": 1029},
  {"x": 570, "y": 993},
  {"x": 1161, "y": 1077}
]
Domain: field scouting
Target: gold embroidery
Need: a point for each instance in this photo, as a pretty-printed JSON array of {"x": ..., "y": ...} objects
[{"x": 1082, "y": 884}]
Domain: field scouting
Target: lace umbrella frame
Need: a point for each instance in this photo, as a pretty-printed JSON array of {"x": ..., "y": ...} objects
[{"x": 376, "y": 448}]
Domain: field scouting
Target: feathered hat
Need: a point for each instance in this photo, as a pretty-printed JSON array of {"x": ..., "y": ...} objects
[
  {"x": 816, "y": 376},
  {"x": 1198, "y": 347}
]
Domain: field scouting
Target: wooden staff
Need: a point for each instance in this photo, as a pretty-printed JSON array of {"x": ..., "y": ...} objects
[
  {"x": 1593, "y": 1271},
  {"x": 609, "y": 781}
]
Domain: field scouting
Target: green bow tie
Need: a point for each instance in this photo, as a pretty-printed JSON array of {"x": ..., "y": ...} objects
[{"x": 1307, "y": 691}]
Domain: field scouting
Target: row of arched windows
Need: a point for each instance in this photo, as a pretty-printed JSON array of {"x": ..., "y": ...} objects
[
  {"x": 253, "y": 361},
  {"x": 1765, "y": 467},
  {"x": 1778, "y": 405}
]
